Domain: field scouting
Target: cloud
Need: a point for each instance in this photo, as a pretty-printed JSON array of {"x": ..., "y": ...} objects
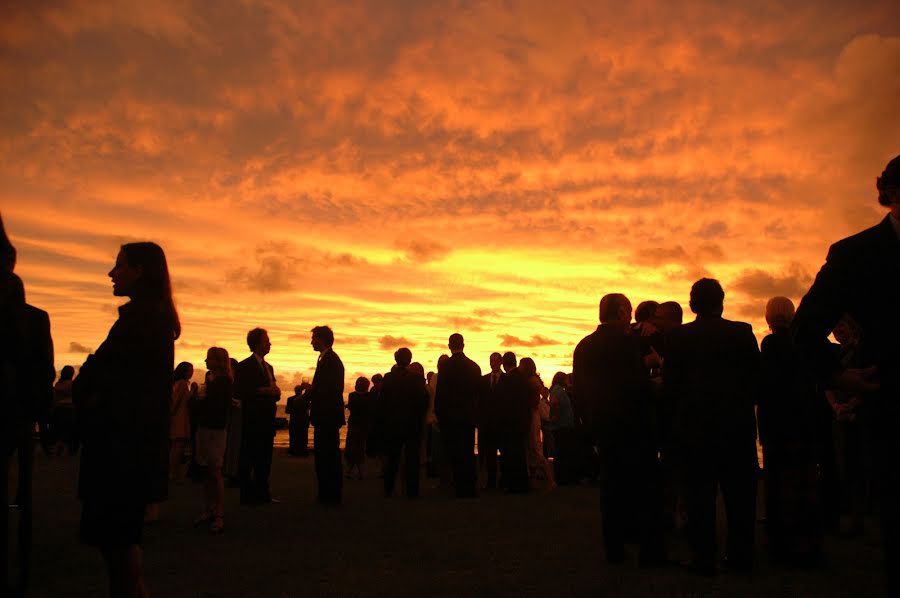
[
  {"x": 763, "y": 285},
  {"x": 394, "y": 342},
  {"x": 76, "y": 347},
  {"x": 537, "y": 340},
  {"x": 421, "y": 251}
]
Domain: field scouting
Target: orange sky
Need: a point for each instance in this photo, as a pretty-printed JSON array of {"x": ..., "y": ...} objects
[{"x": 404, "y": 170}]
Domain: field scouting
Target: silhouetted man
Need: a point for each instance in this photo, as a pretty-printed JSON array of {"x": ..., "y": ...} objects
[
  {"x": 710, "y": 375},
  {"x": 491, "y": 416},
  {"x": 612, "y": 391},
  {"x": 455, "y": 404},
  {"x": 326, "y": 414},
  {"x": 255, "y": 388},
  {"x": 298, "y": 408},
  {"x": 861, "y": 277},
  {"x": 515, "y": 397},
  {"x": 404, "y": 401}
]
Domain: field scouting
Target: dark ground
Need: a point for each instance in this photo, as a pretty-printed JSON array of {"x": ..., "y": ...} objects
[{"x": 434, "y": 546}]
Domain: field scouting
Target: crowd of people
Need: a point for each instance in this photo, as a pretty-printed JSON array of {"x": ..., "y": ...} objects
[{"x": 664, "y": 413}]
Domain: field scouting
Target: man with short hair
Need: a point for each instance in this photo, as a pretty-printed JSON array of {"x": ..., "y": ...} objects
[
  {"x": 455, "y": 404},
  {"x": 612, "y": 392},
  {"x": 711, "y": 374},
  {"x": 326, "y": 414},
  {"x": 515, "y": 397},
  {"x": 255, "y": 388},
  {"x": 861, "y": 278},
  {"x": 403, "y": 402},
  {"x": 491, "y": 415}
]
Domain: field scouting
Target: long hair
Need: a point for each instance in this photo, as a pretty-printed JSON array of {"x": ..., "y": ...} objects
[
  {"x": 183, "y": 371},
  {"x": 221, "y": 363},
  {"x": 154, "y": 285}
]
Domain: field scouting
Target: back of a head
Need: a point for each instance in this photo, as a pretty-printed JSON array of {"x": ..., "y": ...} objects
[
  {"x": 403, "y": 356},
  {"x": 779, "y": 312},
  {"x": 362, "y": 384},
  {"x": 645, "y": 310},
  {"x": 528, "y": 366},
  {"x": 67, "y": 373},
  {"x": 707, "y": 297},
  {"x": 456, "y": 342},
  {"x": 183, "y": 371},
  {"x": 559, "y": 379},
  {"x": 154, "y": 284},
  {"x": 509, "y": 360},
  {"x": 613, "y": 308},
  {"x": 324, "y": 334},
  {"x": 671, "y": 311},
  {"x": 377, "y": 379}
]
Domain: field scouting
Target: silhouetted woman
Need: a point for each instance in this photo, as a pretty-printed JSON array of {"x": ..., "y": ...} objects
[
  {"x": 179, "y": 419},
  {"x": 211, "y": 414},
  {"x": 233, "y": 430},
  {"x": 62, "y": 422},
  {"x": 536, "y": 459},
  {"x": 358, "y": 425},
  {"x": 562, "y": 426},
  {"x": 122, "y": 398}
]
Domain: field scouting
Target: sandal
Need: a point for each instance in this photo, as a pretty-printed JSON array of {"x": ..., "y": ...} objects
[{"x": 218, "y": 524}]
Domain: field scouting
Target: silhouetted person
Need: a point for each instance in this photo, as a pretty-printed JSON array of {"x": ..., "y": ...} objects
[
  {"x": 121, "y": 397},
  {"x": 860, "y": 278},
  {"x": 516, "y": 393},
  {"x": 455, "y": 403},
  {"x": 491, "y": 416},
  {"x": 179, "y": 418},
  {"x": 298, "y": 429},
  {"x": 62, "y": 418},
  {"x": 612, "y": 391},
  {"x": 255, "y": 388},
  {"x": 326, "y": 413},
  {"x": 788, "y": 433},
  {"x": 231, "y": 469},
  {"x": 404, "y": 401},
  {"x": 562, "y": 426},
  {"x": 711, "y": 374},
  {"x": 359, "y": 404}
]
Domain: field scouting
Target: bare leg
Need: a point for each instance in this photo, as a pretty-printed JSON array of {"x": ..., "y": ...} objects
[{"x": 124, "y": 566}]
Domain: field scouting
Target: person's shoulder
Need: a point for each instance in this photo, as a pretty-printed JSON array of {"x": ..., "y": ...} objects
[{"x": 861, "y": 241}]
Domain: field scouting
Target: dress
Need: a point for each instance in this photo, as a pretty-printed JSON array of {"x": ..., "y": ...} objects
[
  {"x": 212, "y": 416},
  {"x": 179, "y": 418},
  {"x": 358, "y": 425}
]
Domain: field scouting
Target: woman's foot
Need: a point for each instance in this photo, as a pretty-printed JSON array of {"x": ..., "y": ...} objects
[{"x": 217, "y": 526}]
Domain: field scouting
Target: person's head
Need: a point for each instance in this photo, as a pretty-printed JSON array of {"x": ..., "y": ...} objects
[
  {"x": 403, "y": 357},
  {"x": 846, "y": 332},
  {"x": 615, "y": 308},
  {"x": 218, "y": 362},
  {"x": 142, "y": 274},
  {"x": 234, "y": 363},
  {"x": 322, "y": 338},
  {"x": 442, "y": 360},
  {"x": 67, "y": 373},
  {"x": 527, "y": 365},
  {"x": 668, "y": 316},
  {"x": 183, "y": 371},
  {"x": 362, "y": 384},
  {"x": 456, "y": 343},
  {"x": 377, "y": 381},
  {"x": 298, "y": 389},
  {"x": 429, "y": 376},
  {"x": 707, "y": 297},
  {"x": 779, "y": 313},
  {"x": 888, "y": 185},
  {"x": 7, "y": 250},
  {"x": 258, "y": 341},
  {"x": 509, "y": 361},
  {"x": 560, "y": 379},
  {"x": 496, "y": 362},
  {"x": 417, "y": 369},
  {"x": 644, "y": 311}
]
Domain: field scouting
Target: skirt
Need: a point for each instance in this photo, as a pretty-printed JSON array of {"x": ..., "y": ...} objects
[{"x": 211, "y": 445}]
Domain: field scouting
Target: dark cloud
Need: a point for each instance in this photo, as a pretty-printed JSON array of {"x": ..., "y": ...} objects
[
  {"x": 763, "y": 285},
  {"x": 76, "y": 347},
  {"x": 394, "y": 342},
  {"x": 421, "y": 251},
  {"x": 537, "y": 340},
  {"x": 714, "y": 229},
  {"x": 464, "y": 323}
]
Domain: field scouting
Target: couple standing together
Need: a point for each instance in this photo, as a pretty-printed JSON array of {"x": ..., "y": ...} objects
[{"x": 256, "y": 389}]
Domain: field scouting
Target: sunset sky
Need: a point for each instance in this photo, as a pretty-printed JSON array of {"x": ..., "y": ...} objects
[{"x": 404, "y": 170}]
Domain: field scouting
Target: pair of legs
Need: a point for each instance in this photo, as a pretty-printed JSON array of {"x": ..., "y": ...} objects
[
  {"x": 327, "y": 449},
  {"x": 403, "y": 442},
  {"x": 537, "y": 462},
  {"x": 124, "y": 566},
  {"x": 459, "y": 445},
  {"x": 176, "y": 456}
]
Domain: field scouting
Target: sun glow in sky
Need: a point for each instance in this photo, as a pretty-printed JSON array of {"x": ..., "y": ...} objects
[{"x": 404, "y": 170}]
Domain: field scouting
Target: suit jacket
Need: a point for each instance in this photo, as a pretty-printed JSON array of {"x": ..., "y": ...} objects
[
  {"x": 493, "y": 409},
  {"x": 403, "y": 401},
  {"x": 258, "y": 411},
  {"x": 711, "y": 378},
  {"x": 326, "y": 403},
  {"x": 861, "y": 277},
  {"x": 456, "y": 396},
  {"x": 611, "y": 387}
]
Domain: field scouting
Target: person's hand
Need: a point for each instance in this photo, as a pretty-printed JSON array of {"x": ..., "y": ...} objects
[
  {"x": 652, "y": 359},
  {"x": 856, "y": 380}
]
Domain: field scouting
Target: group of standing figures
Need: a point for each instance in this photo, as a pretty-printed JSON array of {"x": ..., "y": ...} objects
[{"x": 669, "y": 415}]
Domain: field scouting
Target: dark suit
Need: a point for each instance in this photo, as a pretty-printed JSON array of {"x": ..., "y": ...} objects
[
  {"x": 258, "y": 428},
  {"x": 861, "y": 277},
  {"x": 403, "y": 401},
  {"x": 326, "y": 414},
  {"x": 492, "y": 416},
  {"x": 711, "y": 377},
  {"x": 515, "y": 395},
  {"x": 611, "y": 389},
  {"x": 455, "y": 405}
]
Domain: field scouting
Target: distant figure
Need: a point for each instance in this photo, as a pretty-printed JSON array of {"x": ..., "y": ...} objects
[
  {"x": 298, "y": 429},
  {"x": 492, "y": 413},
  {"x": 613, "y": 395},
  {"x": 515, "y": 392},
  {"x": 179, "y": 419},
  {"x": 537, "y": 463},
  {"x": 562, "y": 426},
  {"x": 231, "y": 469},
  {"x": 712, "y": 375},
  {"x": 375, "y": 441},
  {"x": 455, "y": 404},
  {"x": 438, "y": 464},
  {"x": 404, "y": 401},
  {"x": 255, "y": 388},
  {"x": 787, "y": 408},
  {"x": 359, "y": 404},
  {"x": 211, "y": 414},
  {"x": 326, "y": 413},
  {"x": 121, "y": 396},
  {"x": 62, "y": 422},
  {"x": 859, "y": 278}
]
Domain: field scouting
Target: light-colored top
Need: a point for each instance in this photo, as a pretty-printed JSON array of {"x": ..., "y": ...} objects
[
  {"x": 561, "y": 414},
  {"x": 62, "y": 394},
  {"x": 430, "y": 417},
  {"x": 179, "y": 416}
]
